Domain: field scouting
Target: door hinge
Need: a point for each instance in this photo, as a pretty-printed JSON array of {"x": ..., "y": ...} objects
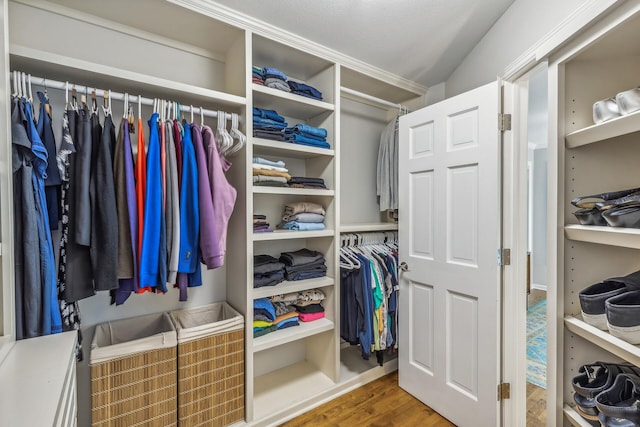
[
  {"x": 504, "y": 391},
  {"x": 504, "y": 257},
  {"x": 504, "y": 122}
]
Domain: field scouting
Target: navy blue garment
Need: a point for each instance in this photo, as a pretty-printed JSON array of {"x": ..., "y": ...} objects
[
  {"x": 28, "y": 297},
  {"x": 348, "y": 306},
  {"x": 364, "y": 297},
  {"x": 52, "y": 182},
  {"x": 303, "y": 140},
  {"x": 305, "y": 90},
  {"x": 51, "y": 320},
  {"x": 104, "y": 214}
]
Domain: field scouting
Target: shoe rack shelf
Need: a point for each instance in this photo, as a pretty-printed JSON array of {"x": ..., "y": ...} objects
[
  {"x": 603, "y": 339},
  {"x": 574, "y": 418},
  {"x": 613, "y": 236},
  {"x": 602, "y": 131}
]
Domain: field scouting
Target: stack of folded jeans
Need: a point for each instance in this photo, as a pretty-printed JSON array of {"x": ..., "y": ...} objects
[
  {"x": 303, "y": 264},
  {"x": 307, "y": 135},
  {"x": 260, "y": 224},
  {"x": 268, "y": 124},
  {"x": 267, "y": 271},
  {"x": 269, "y": 173},
  {"x": 275, "y": 79},
  {"x": 304, "y": 90},
  {"x": 257, "y": 75},
  {"x": 264, "y": 314},
  {"x": 303, "y": 216},
  {"x": 306, "y": 182}
]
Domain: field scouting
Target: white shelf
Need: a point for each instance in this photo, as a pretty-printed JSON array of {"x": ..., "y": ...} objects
[
  {"x": 610, "y": 129},
  {"x": 258, "y": 189},
  {"x": 269, "y": 147},
  {"x": 287, "y": 234},
  {"x": 288, "y": 104},
  {"x": 614, "y": 236},
  {"x": 287, "y": 387},
  {"x": 294, "y": 333},
  {"x": 574, "y": 417},
  {"x": 369, "y": 226},
  {"x": 75, "y": 70},
  {"x": 295, "y": 286},
  {"x": 604, "y": 340}
]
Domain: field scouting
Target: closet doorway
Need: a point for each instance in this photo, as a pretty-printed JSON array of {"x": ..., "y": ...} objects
[{"x": 536, "y": 295}]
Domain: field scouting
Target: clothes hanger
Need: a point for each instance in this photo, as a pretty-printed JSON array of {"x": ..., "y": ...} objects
[
  {"x": 235, "y": 132},
  {"x": 106, "y": 102},
  {"x": 14, "y": 83},
  {"x": 125, "y": 108},
  {"x": 191, "y": 113},
  {"x": 23, "y": 85}
]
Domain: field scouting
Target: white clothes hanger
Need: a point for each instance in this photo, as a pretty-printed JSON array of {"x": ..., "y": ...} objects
[
  {"x": 23, "y": 85},
  {"x": 191, "y": 106},
  {"x": 235, "y": 132}
]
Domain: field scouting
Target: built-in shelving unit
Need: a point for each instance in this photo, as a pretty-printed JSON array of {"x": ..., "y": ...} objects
[
  {"x": 369, "y": 226},
  {"x": 292, "y": 191},
  {"x": 295, "y": 286},
  {"x": 596, "y": 158},
  {"x": 286, "y": 149},
  {"x": 286, "y": 235},
  {"x": 288, "y": 104},
  {"x": 284, "y": 336}
]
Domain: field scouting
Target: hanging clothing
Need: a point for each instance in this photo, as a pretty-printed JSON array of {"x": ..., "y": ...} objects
[
  {"x": 28, "y": 274},
  {"x": 104, "y": 213},
  {"x": 52, "y": 182},
  {"x": 79, "y": 273},
  {"x": 223, "y": 197},
  {"x": 87, "y": 133},
  {"x": 69, "y": 311},
  {"x": 189, "y": 259},
  {"x": 173, "y": 206},
  {"x": 153, "y": 257},
  {"x": 208, "y": 237},
  {"x": 125, "y": 204},
  {"x": 387, "y": 168},
  {"x": 141, "y": 190}
]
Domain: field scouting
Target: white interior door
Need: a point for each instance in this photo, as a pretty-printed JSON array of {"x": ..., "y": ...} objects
[{"x": 449, "y": 233}]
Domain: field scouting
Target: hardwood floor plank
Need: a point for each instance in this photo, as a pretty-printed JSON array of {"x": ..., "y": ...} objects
[{"x": 380, "y": 403}]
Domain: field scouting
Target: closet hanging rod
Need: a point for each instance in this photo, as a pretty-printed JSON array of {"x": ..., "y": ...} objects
[
  {"x": 372, "y": 98},
  {"x": 55, "y": 84}
]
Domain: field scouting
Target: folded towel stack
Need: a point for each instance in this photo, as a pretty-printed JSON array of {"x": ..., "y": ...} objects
[
  {"x": 287, "y": 310},
  {"x": 268, "y": 124},
  {"x": 307, "y": 135},
  {"x": 303, "y": 216},
  {"x": 270, "y": 173},
  {"x": 303, "y": 264},
  {"x": 260, "y": 224}
]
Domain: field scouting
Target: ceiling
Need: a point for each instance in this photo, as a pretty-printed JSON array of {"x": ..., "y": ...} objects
[{"x": 421, "y": 40}]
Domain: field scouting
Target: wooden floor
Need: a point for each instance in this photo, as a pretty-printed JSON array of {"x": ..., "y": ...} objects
[
  {"x": 380, "y": 403},
  {"x": 536, "y": 406}
]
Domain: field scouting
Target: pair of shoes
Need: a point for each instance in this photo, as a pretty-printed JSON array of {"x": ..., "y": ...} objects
[
  {"x": 599, "y": 393},
  {"x": 624, "y": 103},
  {"x": 616, "y": 209},
  {"x": 614, "y": 305}
]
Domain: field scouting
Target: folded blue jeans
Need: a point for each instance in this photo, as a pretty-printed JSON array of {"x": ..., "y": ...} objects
[
  {"x": 267, "y": 114},
  {"x": 305, "y": 89},
  {"x": 269, "y": 122},
  {"x": 302, "y": 140},
  {"x": 274, "y": 71}
]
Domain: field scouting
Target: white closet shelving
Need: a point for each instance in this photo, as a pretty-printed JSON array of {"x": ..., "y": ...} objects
[{"x": 592, "y": 159}]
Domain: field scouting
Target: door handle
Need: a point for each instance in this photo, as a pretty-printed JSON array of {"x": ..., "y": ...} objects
[{"x": 404, "y": 266}]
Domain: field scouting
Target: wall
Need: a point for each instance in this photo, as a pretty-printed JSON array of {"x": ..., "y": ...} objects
[{"x": 519, "y": 28}]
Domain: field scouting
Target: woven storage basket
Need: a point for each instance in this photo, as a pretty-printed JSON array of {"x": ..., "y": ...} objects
[
  {"x": 210, "y": 365},
  {"x": 133, "y": 372}
]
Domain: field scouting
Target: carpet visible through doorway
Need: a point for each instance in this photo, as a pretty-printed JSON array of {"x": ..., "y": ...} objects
[{"x": 537, "y": 344}]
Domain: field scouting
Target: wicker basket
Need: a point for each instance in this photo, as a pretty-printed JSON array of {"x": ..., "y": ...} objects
[
  {"x": 133, "y": 372},
  {"x": 210, "y": 365}
]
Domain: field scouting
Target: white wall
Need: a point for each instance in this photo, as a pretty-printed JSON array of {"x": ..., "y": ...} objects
[{"x": 521, "y": 26}]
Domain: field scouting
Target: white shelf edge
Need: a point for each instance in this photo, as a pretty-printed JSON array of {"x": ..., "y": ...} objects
[
  {"x": 602, "y": 131},
  {"x": 294, "y": 333},
  {"x": 295, "y": 286},
  {"x": 293, "y": 97},
  {"x": 132, "y": 76},
  {"x": 286, "y": 234},
  {"x": 293, "y": 148},
  {"x": 574, "y": 417},
  {"x": 370, "y": 226},
  {"x": 613, "y": 236},
  {"x": 292, "y": 191},
  {"x": 604, "y": 340}
]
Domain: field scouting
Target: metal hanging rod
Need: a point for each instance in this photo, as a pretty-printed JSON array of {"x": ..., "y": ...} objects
[
  {"x": 55, "y": 84},
  {"x": 373, "y": 98}
]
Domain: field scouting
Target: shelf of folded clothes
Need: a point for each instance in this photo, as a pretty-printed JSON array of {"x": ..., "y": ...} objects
[
  {"x": 287, "y": 234},
  {"x": 294, "y": 286},
  {"x": 613, "y": 236},
  {"x": 606, "y": 130},
  {"x": 606, "y": 341},
  {"x": 303, "y": 330},
  {"x": 289, "y": 104},
  {"x": 268, "y": 147},
  {"x": 293, "y": 191}
]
